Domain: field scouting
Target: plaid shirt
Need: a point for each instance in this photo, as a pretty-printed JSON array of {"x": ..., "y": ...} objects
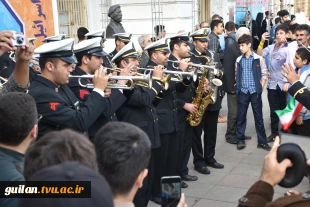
[
  {"x": 214, "y": 45},
  {"x": 13, "y": 86},
  {"x": 248, "y": 83}
]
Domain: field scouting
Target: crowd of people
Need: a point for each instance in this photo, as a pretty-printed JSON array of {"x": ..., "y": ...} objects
[{"x": 77, "y": 113}]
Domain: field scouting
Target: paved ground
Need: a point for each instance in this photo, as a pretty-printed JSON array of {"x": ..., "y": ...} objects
[{"x": 223, "y": 188}]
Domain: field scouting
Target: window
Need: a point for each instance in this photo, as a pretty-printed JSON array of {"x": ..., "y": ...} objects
[{"x": 72, "y": 15}]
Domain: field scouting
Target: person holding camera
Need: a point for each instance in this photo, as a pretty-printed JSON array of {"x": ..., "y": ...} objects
[
  {"x": 261, "y": 193},
  {"x": 19, "y": 80},
  {"x": 279, "y": 53}
]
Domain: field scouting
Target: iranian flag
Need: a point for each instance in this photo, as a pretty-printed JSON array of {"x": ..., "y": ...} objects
[{"x": 289, "y": 114}]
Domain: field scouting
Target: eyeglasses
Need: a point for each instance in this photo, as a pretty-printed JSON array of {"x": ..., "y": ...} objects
[{"x": 39, "y": 118}]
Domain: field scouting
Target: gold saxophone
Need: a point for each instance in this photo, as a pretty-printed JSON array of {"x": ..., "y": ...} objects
[{"x": 201, "y": 100}]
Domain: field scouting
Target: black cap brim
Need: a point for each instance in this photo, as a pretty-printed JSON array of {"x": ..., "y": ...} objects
[
  {"x": 100, "y": 54},
  {"x": 71, "y": 59}
]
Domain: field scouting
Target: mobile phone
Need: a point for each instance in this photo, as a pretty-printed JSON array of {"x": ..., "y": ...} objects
[{"x": 170, "y": 191}]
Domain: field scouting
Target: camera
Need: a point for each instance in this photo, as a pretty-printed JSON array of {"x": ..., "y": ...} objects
[{"x": 19, "y": 39}]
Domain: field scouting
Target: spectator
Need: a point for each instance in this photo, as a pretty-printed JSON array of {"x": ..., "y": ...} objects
[
  {"x": 300, "y": 16},
  {"x": 301, "y": 125},
  {"x": 144, "y": 40},
  {"x": 119, "y": 147},
  {"x": 71, "y": 171},
  {"x": 283, "y": 17},
  {"x": 81, "y": 32},
  {"x": 231, "y": 53},
  {"x": 217, "y": 28},
  {"x": 279, "y": 54},
  {"x": 251, "y": 25},
  {"x": 297, "y": 90},
  {"x": 160, "y": 32},
  {"x": 58, "y": 147},
  {"x": 221, "y": 36},
  {"x": 291, "y": 33},
  {"x": 230, "y": 30},
  {"x": 261, "y": 192},
  {"x": 18, "y": 121},
  {"x": 204, "y": 24},
  {"x": 266, "y": 23},
  {"x": 251, "y": 76},
  {"x": 19, "y": 80}
]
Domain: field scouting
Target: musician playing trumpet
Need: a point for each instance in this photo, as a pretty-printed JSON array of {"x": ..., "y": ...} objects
[
  {"x": 55, "y": 101},
  {"x": 139, "y": 110},
  {"x": 89, "y": 55},
  {"x": 166, "y": 156}
]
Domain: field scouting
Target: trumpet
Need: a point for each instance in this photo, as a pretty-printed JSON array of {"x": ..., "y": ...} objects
[
  {"x": 193, "y": 73},
  {"x": 132, "y": 81},
  {"x": 213, "y": 66}
]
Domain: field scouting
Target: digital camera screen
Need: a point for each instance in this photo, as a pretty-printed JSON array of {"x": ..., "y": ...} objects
[{"x": 171, "y": 193}]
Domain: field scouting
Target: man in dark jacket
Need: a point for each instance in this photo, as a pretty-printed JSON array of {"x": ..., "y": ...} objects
[
  {"x": 231, "y": 53},
  {"x": 89, "y": 55},
  {"x": 230, "y": 30}
]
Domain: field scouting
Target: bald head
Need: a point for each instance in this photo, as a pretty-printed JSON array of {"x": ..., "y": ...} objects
[{"x": 241, "y": 31}]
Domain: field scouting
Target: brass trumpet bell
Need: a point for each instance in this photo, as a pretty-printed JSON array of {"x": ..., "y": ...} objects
[{"x": 165, "y": 81}]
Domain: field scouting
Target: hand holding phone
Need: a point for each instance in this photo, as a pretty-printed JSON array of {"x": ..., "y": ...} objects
[{"x": 171, "y": 191}]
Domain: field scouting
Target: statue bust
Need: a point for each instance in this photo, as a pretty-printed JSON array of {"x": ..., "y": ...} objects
[{"x": 115, "y": 25}]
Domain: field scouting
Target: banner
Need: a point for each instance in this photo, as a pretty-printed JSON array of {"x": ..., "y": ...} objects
[{"x": 32, "y": 17}]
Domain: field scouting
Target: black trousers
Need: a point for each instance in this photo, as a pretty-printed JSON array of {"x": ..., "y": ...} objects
[
  {"x": 165, "y": 160},
  {"x": 184, "y": 135},
  {"x": 143, "y": 194},
  {"x": 303, "y": 130},
  {"x": 277, "y": 101},
  {"x": 232, "y": 104},
  {"x": 209, "y": 126}
]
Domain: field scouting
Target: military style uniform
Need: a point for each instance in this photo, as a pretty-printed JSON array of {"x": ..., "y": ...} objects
[
  {"x": 185, "y": 132},
  {"x": 140, "y": 111},
  {"x": 57, "y": 103},
  {"x": 166, "y": 157},
  {"x": 300, "y": 93},
  {"x": 61, "y": 109},
  {"x": 261, "y": 194},
  {"x": 115, "y": 100},
  {"x": 209, "y": 119},
  {"x": 125, "y": 37}
]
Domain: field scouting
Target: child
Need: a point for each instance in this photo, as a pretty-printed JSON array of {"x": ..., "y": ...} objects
[
  {"x": 251, "y": 76},
  {"x": 279, "y": 53},
  {"x": 301, "y": 126}
]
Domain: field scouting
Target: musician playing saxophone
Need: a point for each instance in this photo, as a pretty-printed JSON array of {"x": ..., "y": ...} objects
[{"x": 209, "y": 120}]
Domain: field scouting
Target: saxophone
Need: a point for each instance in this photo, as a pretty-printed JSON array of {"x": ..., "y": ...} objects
[
  {"x": 201, "y": 100},
  {"x": 214, "y": 82}
]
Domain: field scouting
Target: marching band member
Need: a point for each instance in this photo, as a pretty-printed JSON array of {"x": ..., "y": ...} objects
[
  {"x": 121, "y": 39},
  {"x": 55, "y": 101},
  {"x": 140, "y": 111},
  {"x": 100, "y": 33},
  {"x": 179, "y": 46},
  {"x": 209, "y": 120},
  {"x": 89, "y": 55},
  {"x": 166, "y": 156}
]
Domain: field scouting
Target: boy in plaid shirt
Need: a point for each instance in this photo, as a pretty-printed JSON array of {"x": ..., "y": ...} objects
[{"x": 251, "y": 76}]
